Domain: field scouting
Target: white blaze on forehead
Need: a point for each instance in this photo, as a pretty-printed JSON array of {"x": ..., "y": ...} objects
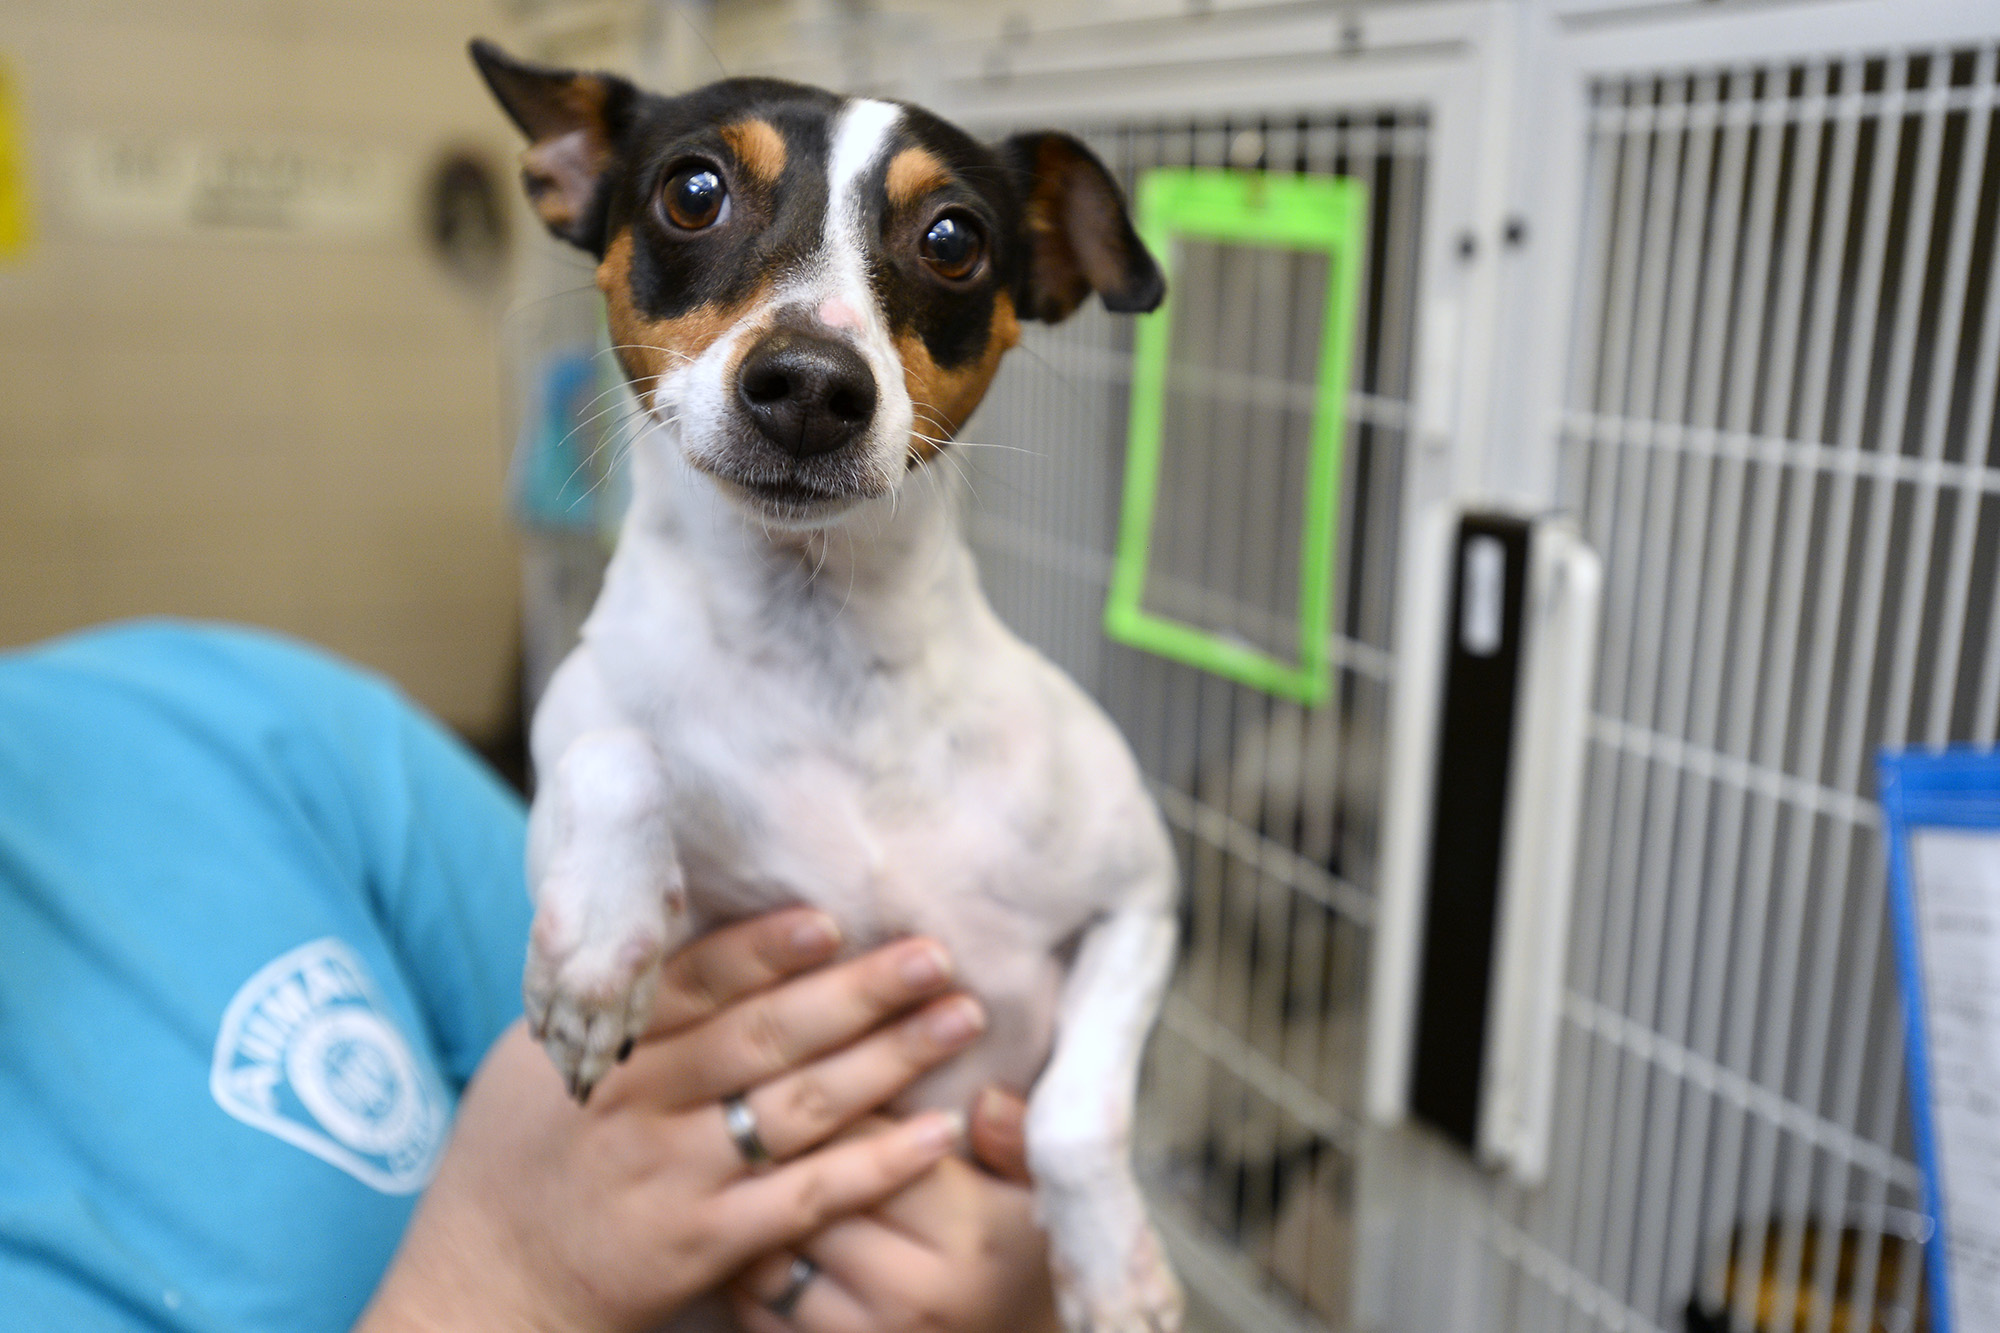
[{"x": 860, "y": 137}]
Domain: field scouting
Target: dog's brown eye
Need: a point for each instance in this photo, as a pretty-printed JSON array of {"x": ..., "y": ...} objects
[
  {"x": 953, "y": 246},
  {"x": 695, "y": 198}
]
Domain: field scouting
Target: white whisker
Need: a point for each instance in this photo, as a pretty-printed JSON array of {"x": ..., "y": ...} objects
[
  {"x": 1053, "y": 369},
  {"x": 1010, "y": 448},
  {"x": 643, "y": 347},
  {"x": 851, "y": 563},
  {"x": 591, "y": 457},
  {"x": 521, "y": 306},
  {"x": 621, "y": 451},
  {"x": 963, "y": 475}
]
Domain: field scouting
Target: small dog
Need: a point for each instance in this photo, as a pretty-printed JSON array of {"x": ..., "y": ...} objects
[{"x": 791, "y": 687}]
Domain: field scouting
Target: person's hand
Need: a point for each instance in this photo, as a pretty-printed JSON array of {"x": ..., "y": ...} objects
[
  {"x": 607, "y": 1217},
  {"x": 956, "y": 1252}
]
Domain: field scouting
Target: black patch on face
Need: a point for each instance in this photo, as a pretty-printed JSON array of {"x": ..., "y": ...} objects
[
  {"x": 953, "y": 319},
  {"x": 771, "y": 228}
]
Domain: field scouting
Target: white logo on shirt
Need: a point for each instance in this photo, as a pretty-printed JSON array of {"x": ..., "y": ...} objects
[{"x": 309, "y": 1052}]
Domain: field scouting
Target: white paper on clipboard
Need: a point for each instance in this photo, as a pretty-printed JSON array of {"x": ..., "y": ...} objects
[
  {"x": 1942, "y": 817},
  {"x": 1955, "y": 874}
]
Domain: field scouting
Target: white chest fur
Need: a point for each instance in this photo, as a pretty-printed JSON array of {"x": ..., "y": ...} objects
[
  {"x": 843, "y": 721},
  {"x": 755, "y": 719}
]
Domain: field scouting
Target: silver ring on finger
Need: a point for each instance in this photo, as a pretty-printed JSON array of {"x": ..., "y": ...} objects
[
  {"x": 803, "y": 1271},
  {"x": 741, "y": 1122}
]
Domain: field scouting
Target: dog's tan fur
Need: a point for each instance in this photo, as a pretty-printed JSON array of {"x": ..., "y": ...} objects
[
  {"x": 758, "y": 147},
  {"x": 945, "y": 398},
  {"x": 649, "y": 348},
  {"x": 914, "y": 173}
]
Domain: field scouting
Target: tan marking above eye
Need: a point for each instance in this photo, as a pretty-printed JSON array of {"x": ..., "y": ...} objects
[
  {"x": 914, "y": 173},
  {"x": 648, "y": 348},
  {"x": 942, "y": 399},
  {"x": 758, "y": 147}
]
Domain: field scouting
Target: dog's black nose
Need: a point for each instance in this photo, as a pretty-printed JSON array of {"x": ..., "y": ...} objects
[{"x": 807, "y": 394}]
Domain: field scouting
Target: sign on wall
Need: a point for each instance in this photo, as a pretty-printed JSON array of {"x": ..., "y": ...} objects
[
  {"x": 133, "y": 182},
  {"x": 14, "y": 229},
  {"x": 1276, "y": 407},
  {"x": 1942, "y": 812}
]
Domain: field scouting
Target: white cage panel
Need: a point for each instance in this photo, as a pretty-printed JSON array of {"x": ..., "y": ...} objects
[
  {"x": 1779, "y": 433},
  {"x": 1249, "y": 1124}
]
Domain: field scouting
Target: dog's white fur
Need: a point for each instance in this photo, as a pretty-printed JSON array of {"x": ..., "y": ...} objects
[{"x": 761, "y": 715}]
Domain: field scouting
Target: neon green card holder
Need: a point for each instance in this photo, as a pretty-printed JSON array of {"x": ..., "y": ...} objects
[{"x": 1313, "y": 227}]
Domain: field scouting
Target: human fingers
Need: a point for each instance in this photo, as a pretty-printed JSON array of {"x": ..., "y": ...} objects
[
  {"x": 741, "y": 959},
  {"x": 784, "y": 1206},
  {"x": 957, "y": 1249},
  {"x": 857, "y": 1253},
  {"x": 951, "y": 1206},
  {"x": 998, "y": 1134},
  {"x": 822, "y": 1305},
  {"x": 980, "y": 1270},
  {"x": 809, "y": 1105},
  {"x": 767, "y": 1034}
]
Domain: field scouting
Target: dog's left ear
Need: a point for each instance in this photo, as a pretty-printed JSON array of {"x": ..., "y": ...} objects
[
  {"x": 1079, "y": 236},
  {"x": 575, "y": 121}
]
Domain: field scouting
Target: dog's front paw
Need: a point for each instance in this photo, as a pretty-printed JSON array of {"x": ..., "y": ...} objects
[
  {"x": 1130, "y": 1291},
  {"x": 589, "y": 993}
]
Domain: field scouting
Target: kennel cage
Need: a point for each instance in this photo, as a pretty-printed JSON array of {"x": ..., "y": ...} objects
[{"x": 1718, "y": 281}]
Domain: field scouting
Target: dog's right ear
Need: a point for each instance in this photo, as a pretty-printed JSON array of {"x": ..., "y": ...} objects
[
  {"x": 575, "y": 122},
  {"x": 1080, "y": 237}
]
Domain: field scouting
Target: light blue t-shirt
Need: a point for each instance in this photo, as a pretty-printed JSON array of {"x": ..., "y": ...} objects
[{"x": 259, "y": 921}]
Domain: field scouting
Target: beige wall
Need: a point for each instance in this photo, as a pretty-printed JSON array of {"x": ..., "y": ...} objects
[{"x": 305, "y": 434}]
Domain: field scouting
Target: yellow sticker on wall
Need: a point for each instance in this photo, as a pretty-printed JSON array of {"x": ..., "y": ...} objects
[{"x": 14, "y": 228}]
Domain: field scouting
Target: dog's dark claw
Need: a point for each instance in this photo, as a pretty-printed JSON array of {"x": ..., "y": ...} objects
[
  {"x": 625, "y": 1051},
  {"x": 583, "y": 1095}
]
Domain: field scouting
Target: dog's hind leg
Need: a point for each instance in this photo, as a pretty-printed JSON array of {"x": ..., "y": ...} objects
[
  {"x": 1111, "y": 1276},
  {"x": 609, "y": 901}
]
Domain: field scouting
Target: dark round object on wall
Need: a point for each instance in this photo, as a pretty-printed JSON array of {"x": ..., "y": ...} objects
[{"x": 465, "y": 218}]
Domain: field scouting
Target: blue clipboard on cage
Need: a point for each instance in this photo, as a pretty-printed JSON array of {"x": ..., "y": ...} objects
[{"x": 1942, "y": 815}]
